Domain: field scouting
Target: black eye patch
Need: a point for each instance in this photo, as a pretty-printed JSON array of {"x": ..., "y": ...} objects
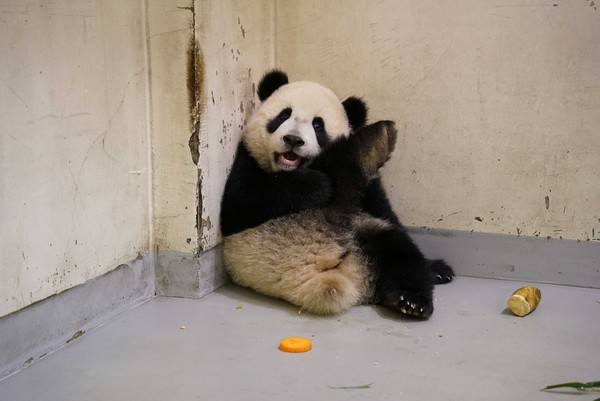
[
  {"x": 319, "y": 127},
  {"x": 280, "y": 119}
]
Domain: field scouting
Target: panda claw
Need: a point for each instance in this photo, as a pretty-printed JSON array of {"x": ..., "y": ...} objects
[
  {"x": 409, "y": 304},
  {"x": 443, "y": 272}
]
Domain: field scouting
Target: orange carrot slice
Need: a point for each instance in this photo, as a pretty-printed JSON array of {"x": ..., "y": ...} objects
[{"x": 295, "y": 344}]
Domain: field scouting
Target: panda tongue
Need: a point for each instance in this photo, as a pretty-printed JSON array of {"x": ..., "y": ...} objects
[{"x": 290, "y": 159}]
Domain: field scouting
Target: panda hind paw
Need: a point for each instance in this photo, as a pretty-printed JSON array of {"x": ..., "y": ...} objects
[
  {"x": 410, "y": 304},
  {"x": 376, "y": 143},
  {"x": 442, "y": 272},
  {"x": 391, "y": 133},
  {"x": 385, "y": 134}
]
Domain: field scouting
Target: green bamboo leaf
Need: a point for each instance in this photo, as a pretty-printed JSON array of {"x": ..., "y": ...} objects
[
  {"x": 351, "y": 387},
  {"x": 589, "y": 386}
]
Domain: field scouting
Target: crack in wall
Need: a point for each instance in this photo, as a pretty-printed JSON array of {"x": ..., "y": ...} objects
[
  {"x": 195, "y": 86},
  {"x": 195, "y": 77},
  {"x": 196, "y": 96}
]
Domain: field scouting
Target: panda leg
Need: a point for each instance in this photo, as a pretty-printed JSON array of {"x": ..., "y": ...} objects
[
  {"x": 405, "y": 278},
  {"x": 377, "y": 205}
]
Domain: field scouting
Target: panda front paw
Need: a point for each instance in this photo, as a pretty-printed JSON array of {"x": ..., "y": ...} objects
[{"x": 410, "y": 304}]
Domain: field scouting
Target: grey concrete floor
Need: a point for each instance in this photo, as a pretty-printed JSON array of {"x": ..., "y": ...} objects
[{"x": 224, "y": 347}]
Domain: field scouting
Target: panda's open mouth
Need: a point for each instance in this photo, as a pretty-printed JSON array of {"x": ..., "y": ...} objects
[{"x": 288, "y": 160}]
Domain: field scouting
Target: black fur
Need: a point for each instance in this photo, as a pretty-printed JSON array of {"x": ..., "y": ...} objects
[
  {"x": 320, "y": 131},
  {"x": 278, "y": 120},
  {"x": 253, "y": 196},
  {"x": 357, "y": 111},
  {"x": 270, "y": 83},
  {"x": 337, "y": 182},
  {"x": 342, "y": 162},
  {"x": 377, "y": 204},
  {"x": 404, "y": 277}
]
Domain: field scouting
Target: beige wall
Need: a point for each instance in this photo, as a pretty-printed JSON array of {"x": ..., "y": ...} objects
[
  {"x": 233, "y": 46},
  {"x": 175, "y": 176},
  {"x": 497, "y": 104},
  {"x": 73, "y": 144},
  {"x": 95, "y": 120},
  {"x": 497, "y": 107},
  {"x": 237, "y": 44}
]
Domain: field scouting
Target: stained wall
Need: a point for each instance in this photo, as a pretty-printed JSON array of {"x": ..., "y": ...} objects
[
  {"x": 496, "y": 104},
  {"x": 74, "y": 165},
  {"x": 206, "y": 58},
  {"x": 118, "y": 124},
  {"x": 236, "y": 44},
  {"x": 119, "y": 120}
]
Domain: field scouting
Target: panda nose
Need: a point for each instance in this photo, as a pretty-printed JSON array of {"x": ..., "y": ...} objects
[{"x": 293, "y": 140}]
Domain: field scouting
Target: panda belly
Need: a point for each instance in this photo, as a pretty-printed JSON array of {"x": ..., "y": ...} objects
[{"x": 302, "y": 259}]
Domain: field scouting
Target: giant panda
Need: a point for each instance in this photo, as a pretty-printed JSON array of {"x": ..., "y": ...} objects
[{"x": 304, "y": 214}]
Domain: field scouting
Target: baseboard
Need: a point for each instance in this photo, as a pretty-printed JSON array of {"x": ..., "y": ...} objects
[
  {"x": 33, "y": 332},
  {"x": 186, "y": 275},
  {"x": 532, "y": 259},
  {"x": 39, "y": 329}
]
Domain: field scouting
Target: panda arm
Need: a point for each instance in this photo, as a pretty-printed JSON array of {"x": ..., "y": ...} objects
[
  {"x": 253, "y": 196},
  {"x": 342, "y": 160},
  {"x": 377, "y": 204}
]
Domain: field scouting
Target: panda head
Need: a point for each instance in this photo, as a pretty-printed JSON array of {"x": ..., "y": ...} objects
[{"x": 296, "y": 121}]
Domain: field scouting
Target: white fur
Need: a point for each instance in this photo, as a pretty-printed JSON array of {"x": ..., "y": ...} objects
[
  {"x": 307, "y": 100},
  {"x": 302, "y": 259}
]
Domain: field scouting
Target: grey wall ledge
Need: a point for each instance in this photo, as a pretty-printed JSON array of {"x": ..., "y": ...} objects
[
  {"x": 39, "y": 329},
  {"x": 509, "y": 257},
  {"x": 45, "y": 326}
]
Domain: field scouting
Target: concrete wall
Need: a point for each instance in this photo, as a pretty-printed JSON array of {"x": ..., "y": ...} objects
[
  {"x": 206, "y": 59},
  {"x": 202, "y": 91},
  {"x": 119, "y": 121},
  {"x": 73, "y": 144},
  {"x": 236, "y": 47},
  {"x": 496, "y": 104},
  {"x": 175, "y": 176}
]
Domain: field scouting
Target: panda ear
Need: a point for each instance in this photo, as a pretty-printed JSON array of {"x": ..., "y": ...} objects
[
  {"x": 356, "y": 110},
  {"x": 272, "y": 81}
]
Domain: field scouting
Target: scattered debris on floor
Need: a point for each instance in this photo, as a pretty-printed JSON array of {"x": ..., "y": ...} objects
[
  {"x": 77, "y": 334},
  {"x": 364, "y": 386},
  {"x": 575, "y": 388}
]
